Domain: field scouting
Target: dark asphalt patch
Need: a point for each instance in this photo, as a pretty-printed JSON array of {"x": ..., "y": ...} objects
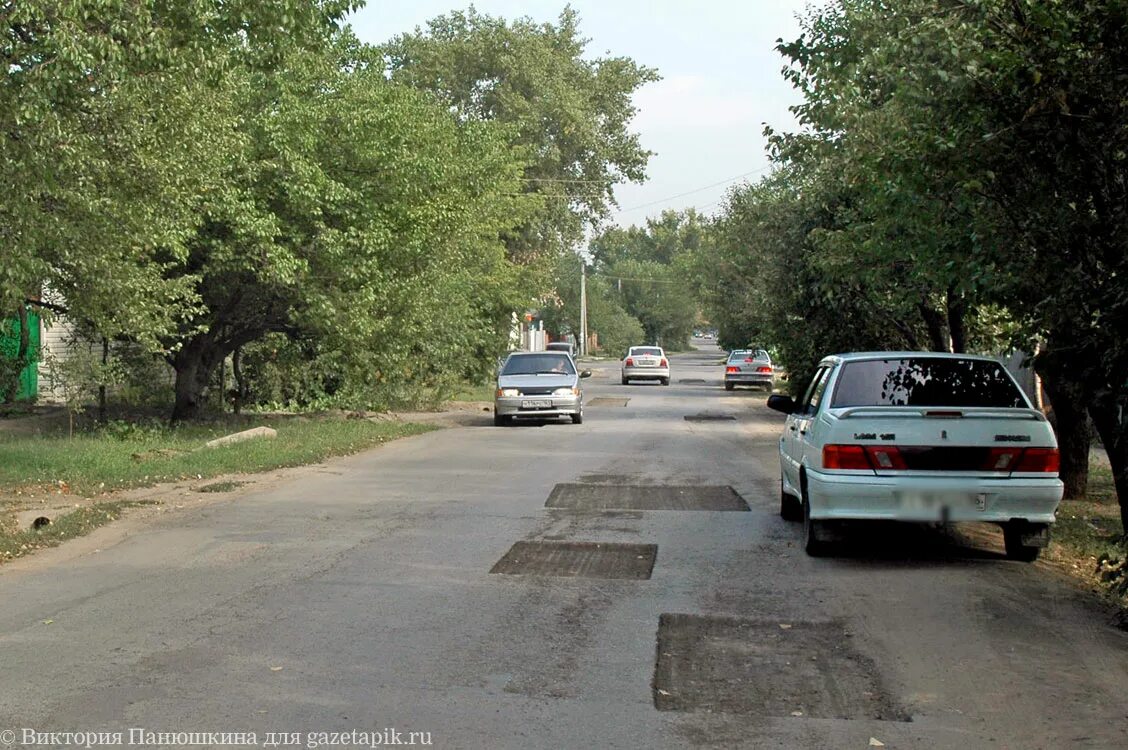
[
  {"x": 709, "y": 417},
  {"x": 605, "y": 401},
  {"x": 692, "y": 381},
  {"x": 644, "y": 497},
  {"x": 767, "y": 668},
  {"x": 578, "y": 560}
]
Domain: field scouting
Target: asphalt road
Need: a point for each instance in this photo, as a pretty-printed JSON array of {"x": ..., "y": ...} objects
[{"x": 358, "y": 596}]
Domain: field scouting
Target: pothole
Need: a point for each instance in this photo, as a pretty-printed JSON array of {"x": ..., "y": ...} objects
[
  {"x": 769, "y": 668},
  {"x": 645, "y": 497},
  {"x": 578, "y": 560}
]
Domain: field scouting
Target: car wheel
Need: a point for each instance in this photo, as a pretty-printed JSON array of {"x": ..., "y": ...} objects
[
  {"x": 790, "y": 509},
  {"x": 1012, "y": 540},
  {"x": 578, "y": 418},
  {"x": 813, "y": 544},
  {"x": 665, "y": 381},
  {"x": 626, "y": 382},
  {"x": 500, "y": 420},
  {"x": 729, "y": 386}
]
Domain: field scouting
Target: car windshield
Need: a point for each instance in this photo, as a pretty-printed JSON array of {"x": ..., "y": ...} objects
[
  {"x": 641, "y": 351},
  {"x": 926, "y": 381},
  {"x": 539, "y": 364}
]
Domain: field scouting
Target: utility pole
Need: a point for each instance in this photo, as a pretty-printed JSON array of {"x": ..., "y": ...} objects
[{"x": 583, "y": 308}]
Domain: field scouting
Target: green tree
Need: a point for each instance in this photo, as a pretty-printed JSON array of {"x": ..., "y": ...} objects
[
  {"x": 1006, "y": 123},
  {"x": 109, "y": 130},
  {"x": 569, "y": 114},
  {"x": 356, "y": 213}
]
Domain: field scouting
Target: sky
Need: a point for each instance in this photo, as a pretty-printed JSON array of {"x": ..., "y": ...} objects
[{"x": 704, "y": 121}]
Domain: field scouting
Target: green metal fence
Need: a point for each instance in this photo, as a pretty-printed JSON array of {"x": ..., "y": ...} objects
[{"x": 9, "y": 348}]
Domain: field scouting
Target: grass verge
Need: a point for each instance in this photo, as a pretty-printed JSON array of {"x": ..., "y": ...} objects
[
  {"x": 1089, "y": 540},
  {"x": 15, "y": 543},
  {"x": 97, "y": 463}
]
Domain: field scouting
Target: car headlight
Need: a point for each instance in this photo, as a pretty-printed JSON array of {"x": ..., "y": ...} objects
[
  {"x": 507, "y": 392},
  {"x": 566, "y": 392}
]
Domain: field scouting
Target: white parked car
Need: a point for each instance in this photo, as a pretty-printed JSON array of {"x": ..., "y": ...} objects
[
  {"x": 918, "y": 436},
  {"x": 646, "y": 363}
]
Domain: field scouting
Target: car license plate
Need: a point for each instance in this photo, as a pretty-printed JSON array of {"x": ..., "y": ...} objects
[
  {"x": 537, "y": 404},
  {"x": 941, "y": 500}
]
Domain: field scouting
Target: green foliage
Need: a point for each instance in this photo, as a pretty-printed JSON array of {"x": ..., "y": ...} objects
[
  {"x": 652, "y": 273},
  {"x": 615, "y": 328},
  {"x": 960, "y": 184},
  {"x": 567, "y": 113},
  {"x": 112, "y": 132}
]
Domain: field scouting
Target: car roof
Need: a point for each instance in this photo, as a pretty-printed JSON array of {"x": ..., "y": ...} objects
[
  {"x": 549, "y": 352},
  {"x": 862, "y": 356}
]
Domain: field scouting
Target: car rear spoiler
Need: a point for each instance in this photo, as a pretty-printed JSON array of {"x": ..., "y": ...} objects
[{"x": 938, "y": 412}]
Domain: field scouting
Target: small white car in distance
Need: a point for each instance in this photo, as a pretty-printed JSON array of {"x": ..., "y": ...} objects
[
  {"x": 646, "y": 363},
  {"x": 921, "y": 437}
]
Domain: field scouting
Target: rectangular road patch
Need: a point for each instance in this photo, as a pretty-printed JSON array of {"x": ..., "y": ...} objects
[
  {"x": 578, "y": 560},
  {"x": 710, "y": 417},
  {"x": 644, "y": 497},
  {"x": 768, "y": 668},
  {"x": 605, "y": 401}
]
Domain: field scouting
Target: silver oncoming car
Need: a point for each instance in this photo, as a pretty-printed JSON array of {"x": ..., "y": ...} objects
[{"x": 539, "y": 385}]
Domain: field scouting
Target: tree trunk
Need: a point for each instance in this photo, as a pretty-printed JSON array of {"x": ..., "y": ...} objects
[
  {"x": 957, "y": 324},
  {"x": 1112, "y": 425},
  {"x": 935, "y": 323},
  {"x": 240, "y": 384},
  {"x": 102, "y": 386},
  {"x": 1070, "y": 418},
  {"x": 194, "y": 365}
]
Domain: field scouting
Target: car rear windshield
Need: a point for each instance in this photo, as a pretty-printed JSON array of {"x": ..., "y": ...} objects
[
  {"x": 539, "y": 364},
  {"x": 640, "y": 351},
  {"x": 742, "y": 354},
  {"x": 926, "y": 381}
]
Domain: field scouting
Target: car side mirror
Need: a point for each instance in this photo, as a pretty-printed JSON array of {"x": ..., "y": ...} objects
[
  {"x": 585, "y": 374},
  {"x": 781, "y": 403}
]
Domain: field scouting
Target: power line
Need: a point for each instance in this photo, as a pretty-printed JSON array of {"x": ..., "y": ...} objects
[{"x": 698, "y": 190}]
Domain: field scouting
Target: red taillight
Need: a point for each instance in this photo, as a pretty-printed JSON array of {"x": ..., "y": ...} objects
[
  {"x": 664, "y": 364},
  {"x": 885, "y": 457},
  {"x": 1046, "y": 460},
  {"x": 732, "y": 369},
  {"x": 845, "y": 457},
  {"x": 1001, "y": 459},
  {"x": 763, "y": 369},
  {"x": 630, "y": 362}
]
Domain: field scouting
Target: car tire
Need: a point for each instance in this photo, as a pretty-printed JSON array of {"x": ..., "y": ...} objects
[
  {"x": 626, "y": 382},
  {"x": 665, "y": 381},
  {"x": 790, "y": 509},
  {"x": 729, "y": 386},
  {"x": 813, "y": 544},
  {"x": 501, "y": 420},
  {"x": 578, "y": 418},
  {"x": 1012, "y": 541}
]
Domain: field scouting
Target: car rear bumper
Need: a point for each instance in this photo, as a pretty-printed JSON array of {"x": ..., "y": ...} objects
[
  {"x": 932, "y": 498},
  {"x": 561, "y": 406},
  {"x": 748, "y": 378},
  {"x": 646, "y": 373}
]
